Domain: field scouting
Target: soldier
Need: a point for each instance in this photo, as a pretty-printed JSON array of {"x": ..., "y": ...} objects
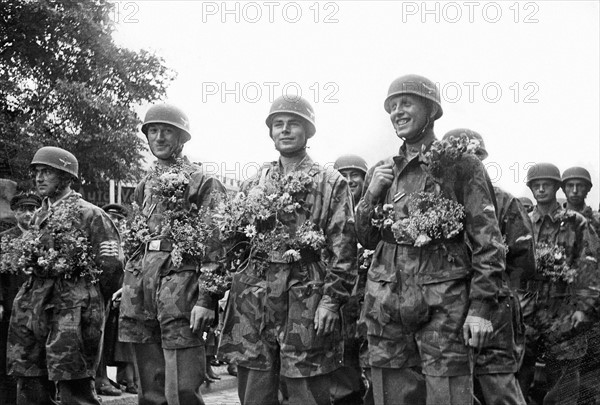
[
  {"x": 427, "y": 307},
  {"x": 576, "y": 184},
  {"x": 499, "y": 360},
  {"x": 354, "y": 169},
  {"x": 566, "y": 294},
  {"x": 287, "y": 322},
  {"x": 527, "y": 203},
  {"x": 23, "y": 205},
  {"x": 163, "y": 311},
  {"x": 56, "y": 324}
]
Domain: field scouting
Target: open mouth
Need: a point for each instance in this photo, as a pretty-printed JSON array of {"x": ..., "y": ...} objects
[{"x": 402, "y": 121}]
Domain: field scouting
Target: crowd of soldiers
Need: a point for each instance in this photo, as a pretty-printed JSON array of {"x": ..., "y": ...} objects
[{"x": 462, "y": 320}]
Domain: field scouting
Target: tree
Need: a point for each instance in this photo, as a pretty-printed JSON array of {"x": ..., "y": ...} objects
[{"x": 64, "y": 82}]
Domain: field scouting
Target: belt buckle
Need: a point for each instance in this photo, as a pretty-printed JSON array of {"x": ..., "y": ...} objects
[{"x": 154, "y": 245}]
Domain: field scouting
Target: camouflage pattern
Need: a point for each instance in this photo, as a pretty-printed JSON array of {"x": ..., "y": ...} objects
[
  {"x": 355, "y": 333},
  {"x": 157, "y": 298},
  {"x": 431, "y": 289},
  {"x": 590, "y": 364},
  {"x": 10, "y": 283},
  {"x": 557, "y": 301},
  {"x": 270, "y": 319},
  {"x": 593, "y": 218},
  {"x": 56, "y": 324},
  {"x": 504, "y": 350},
  {"x": 9, "y": 286}
]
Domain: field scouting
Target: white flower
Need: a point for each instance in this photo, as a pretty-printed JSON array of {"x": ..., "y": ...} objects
[
  {"x": 422, "y": 240},
  {"x": 250, "y": 231},
  {"x": 291, "y": 255}
]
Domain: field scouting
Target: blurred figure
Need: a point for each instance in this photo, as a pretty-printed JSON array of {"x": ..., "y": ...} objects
[
  {"x": 527, "y": 203},
  {"x": 566, "y": 287},
  {"x": 576, "y": 184},
  {"x": 500, "y": 358},
  {"x": 355, "y": 383},
  {"x": 23, "y": 205}
]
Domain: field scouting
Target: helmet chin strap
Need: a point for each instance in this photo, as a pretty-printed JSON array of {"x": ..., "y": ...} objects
[{"x": 421, "y": 134}]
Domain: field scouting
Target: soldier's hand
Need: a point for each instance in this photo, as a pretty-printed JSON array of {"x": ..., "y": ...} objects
[
  {"x": 116, "y": 297},
  {"x": 382, "y": 179},
  {"x": 577, "y": 319},
  {"x": 325, "y": 321},
  {"x": 476, "y": 331},
  {"x": 201, "y": 319}
]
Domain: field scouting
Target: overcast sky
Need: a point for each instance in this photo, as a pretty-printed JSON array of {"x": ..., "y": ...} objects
[{"x": 525, "y": 75}]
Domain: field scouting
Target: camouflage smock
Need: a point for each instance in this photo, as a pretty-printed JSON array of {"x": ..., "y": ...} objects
[
  {"x": 56, "y": 323},
  {"x": 556, "y": 301},
  {"x": 158, "y": 298},
  {"x": 9, "y": 286},
  {"x": 504, "y": 350},
  {"x": 270, "y": 318},
  {"x": 423, "y": 294}
]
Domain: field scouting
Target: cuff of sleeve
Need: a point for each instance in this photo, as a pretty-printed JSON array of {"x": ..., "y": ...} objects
[
  {"x": 370, "y": 200},
  {"x": 328, "y": 303},
  {"x": 207, "y": 301},
  {"x": 481, "y": 309}
]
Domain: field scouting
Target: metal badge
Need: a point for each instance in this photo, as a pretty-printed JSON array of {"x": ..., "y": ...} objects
[
  {"x": 154, "y": 245},
  {"x": 398, "y": 196}
]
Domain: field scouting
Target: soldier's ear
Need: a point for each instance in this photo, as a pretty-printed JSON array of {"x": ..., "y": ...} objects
[{"x": 433, "y": 110}]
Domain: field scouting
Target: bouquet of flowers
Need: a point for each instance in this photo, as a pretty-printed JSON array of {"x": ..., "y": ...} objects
[
  {"x": 60, "y": 249},
  {"x": 551, "y": 260},
  {"x": 430, "y": 218},
  {"x": 134, "y": 231},
  {"x": 263, "y": 221},
  {"x": 184, "y": 225},
  {"x": 365, "y": 259},
  {"x": 443, "y": 156},
  {"x": 170, "y": 182}
]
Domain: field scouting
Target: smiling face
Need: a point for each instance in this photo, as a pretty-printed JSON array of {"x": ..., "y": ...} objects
[
  {"x": 289, "y": 134},
  {"x": 356, "y": 180},
  {"x": 544, "y": 190},
  {"x": 409, "y": 114},
  {"x": 164, "y": 140}
]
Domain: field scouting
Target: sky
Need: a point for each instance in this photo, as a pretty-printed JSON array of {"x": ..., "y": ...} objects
[{"x": 523, "y": 74}]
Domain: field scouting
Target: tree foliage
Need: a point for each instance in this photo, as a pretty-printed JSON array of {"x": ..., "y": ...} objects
[{"x": 64, "y": 82}]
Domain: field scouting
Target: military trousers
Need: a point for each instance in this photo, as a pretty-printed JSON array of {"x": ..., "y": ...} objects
[
  {"x": 563, "y": 381},
  {"x": 258, "y": 387},
  {"x": 498, "y": 389},
  {"x": 398, "y": 386},
  {"x": 41, "y": 391},
  {"x": 56, "y": 329},
  {"x": 270, "y": 320},
  {"x": 349, "y": 386},
  {"x": 169, "y": 376},
  {"x": 589, "y": 390}
]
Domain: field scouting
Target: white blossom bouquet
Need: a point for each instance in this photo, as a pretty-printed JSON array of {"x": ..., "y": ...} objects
[
  {"x": 431, "y": 218},
  {"x": 60, "y": 249},
  {"x": 551, "y": 261},
  {"x": 263, "y": 221}
]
